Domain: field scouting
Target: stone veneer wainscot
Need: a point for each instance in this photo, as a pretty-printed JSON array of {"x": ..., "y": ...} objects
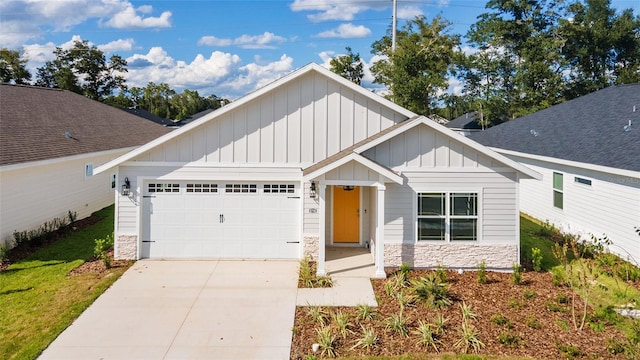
[{"x": 450, "y": 255}]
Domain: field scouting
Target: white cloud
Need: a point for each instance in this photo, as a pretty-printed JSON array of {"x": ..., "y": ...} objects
[
  {"x": 254, "y": 76},
  {"x": 221, "y": 73},
  {"x": 326, "y": 57},
  {"x": 117, "y": 45},
  {"x": 214, "y": 41},
  {"x": 29, "y": 20},
  {"x": 409, "y": 12},
  {"x": 346, "y": 31},
  {"x": 262, "y": 41},
  {"x": 325, "y": 10},
  {"x": 128, "y": 18}
]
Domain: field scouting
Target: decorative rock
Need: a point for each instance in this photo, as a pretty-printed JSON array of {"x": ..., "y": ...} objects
[
  {"x": 315, "y": 347},
  {"x": 629, "y": 312}
]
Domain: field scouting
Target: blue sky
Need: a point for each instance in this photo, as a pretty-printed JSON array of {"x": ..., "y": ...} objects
[{"x": 227, "y": 48}]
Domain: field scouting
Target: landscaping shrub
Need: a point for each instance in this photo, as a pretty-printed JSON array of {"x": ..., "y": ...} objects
[
  {"x": 101, "y": 250},
  {"x": 482, "y": 272},
  {"x": 536, "y": 259},
  {"x": 516, "y": 276},
  {"x": 43, "y": 233},
  {"x": 432, "y": 291}
]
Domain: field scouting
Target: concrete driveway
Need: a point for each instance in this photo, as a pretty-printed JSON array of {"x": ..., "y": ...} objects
[{"x": 188, "y": 310}]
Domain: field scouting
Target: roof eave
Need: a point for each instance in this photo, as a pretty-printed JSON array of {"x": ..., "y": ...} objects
[
  {"x": 387, "y": 173},
  {"x": 600, "y": 168}
]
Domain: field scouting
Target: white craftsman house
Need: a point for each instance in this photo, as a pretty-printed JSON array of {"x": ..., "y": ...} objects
[
  {"x": 50, "y": 141},
  {"x": 588, "y": 150},
  {"x": 311, "y": 161}
]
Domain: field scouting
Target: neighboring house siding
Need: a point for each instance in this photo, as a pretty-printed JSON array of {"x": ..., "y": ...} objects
[
  {"x": 611, "y": 205},
  {"x": 303, "y": 122},
  {"x": 33, "y": 195}
]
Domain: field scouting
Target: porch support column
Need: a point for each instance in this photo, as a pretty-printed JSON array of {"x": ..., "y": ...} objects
[
  {"x": 379, "y": 255},
  {"x": 323, "y": 238}
]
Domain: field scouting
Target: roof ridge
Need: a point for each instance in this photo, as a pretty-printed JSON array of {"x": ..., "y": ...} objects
[{"x": 27, "y": 86}]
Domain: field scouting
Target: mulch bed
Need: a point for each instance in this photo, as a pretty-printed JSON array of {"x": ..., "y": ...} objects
[
  {"x": 97, "y": 266},
  {"x": 538, "y": 319}
]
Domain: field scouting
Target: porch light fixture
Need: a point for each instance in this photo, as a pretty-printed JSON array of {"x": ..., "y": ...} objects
[
  {"x": 348, "y": 187},
  {"x": 312, "y": 190},
  {"x": 126, "y": 187}
]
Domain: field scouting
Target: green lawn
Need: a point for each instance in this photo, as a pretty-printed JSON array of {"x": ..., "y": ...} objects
[
  {"x": 37, "y": 298},
  {"x": 529, "y": 238}
]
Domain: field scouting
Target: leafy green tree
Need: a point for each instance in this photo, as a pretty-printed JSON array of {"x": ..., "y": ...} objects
[
  {"x": 527, "y": 32},
  {"x": 83, "y": 69},
  {"x": 416, "y": 72},
  {"x": 348, "y": 66},
  {"x": 13, "y": 67},
  {"x": 602, "y": 48},
  {"x": 488, "y": 77},
  {"x": 156, "y": 98}
]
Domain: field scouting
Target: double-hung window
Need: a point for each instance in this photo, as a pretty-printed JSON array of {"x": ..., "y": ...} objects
[{"x": 448, "y": 216}]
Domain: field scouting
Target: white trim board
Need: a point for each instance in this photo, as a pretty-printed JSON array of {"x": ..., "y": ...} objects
[{"x": 604, "y": 169}]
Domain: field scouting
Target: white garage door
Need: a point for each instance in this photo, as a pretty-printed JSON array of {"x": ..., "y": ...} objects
[{"x": 218, "y": 220}]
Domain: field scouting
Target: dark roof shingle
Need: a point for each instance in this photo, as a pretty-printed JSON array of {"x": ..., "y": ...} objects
[
  {"x": 589, "y": 129},
  {"x": 34, "y": 121}
]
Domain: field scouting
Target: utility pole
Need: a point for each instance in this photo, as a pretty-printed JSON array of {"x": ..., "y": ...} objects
[{"x": 394, "y": 25}]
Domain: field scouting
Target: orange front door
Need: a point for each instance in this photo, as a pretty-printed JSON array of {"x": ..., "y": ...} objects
[{"x": 346, "y": 215}]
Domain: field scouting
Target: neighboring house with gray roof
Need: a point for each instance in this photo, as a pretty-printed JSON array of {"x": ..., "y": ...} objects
[
  {"x": 50, "y": 141},
  {"x": 588, "y": 150},
  {"x": 465, "y": 124}
]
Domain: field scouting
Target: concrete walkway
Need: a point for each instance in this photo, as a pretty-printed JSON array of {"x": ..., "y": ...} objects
[
  {"x": 351, "y": 269},
  {"x": 188, "y": 310}
]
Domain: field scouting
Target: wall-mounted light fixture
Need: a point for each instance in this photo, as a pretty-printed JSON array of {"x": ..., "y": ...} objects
[
  {"x": 126, "y": 187},
  {"x": 312, "y": 190},
  {"x": 348, "y": 187}
]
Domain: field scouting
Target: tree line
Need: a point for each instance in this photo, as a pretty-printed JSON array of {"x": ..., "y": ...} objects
[
  {"x": 530, "y": 54},
  {"x": 84, "y": 69}
]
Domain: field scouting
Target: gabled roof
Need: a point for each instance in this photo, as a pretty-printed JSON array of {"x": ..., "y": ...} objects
[
  {"x": 592, "y": 129},
  {"x": 247, "y": 98},
  {"x": 150, "y": 116},
  {"x": 465, "y": 121},
  {"x": 41, "y": 123},
  {"x": 399, "y": 128}
]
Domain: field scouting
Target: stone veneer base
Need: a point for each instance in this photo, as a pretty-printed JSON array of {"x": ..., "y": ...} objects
[
  {"x": 127, "y": 247},
  {"x": 310, "y": 247},
  {"x": 496, "y": 256}
]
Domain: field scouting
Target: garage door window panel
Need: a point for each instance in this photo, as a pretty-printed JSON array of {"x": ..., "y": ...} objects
[
  {"x": 279, "y": 189},
  {"x": 241, "y": 188},
  {"x": 202, "y": 188},
  {"x": 163, "y": 188}
]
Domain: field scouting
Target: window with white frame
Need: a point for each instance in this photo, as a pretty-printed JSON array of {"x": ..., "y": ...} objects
[
  {"x": 448, "y": 216},
  {"x": 558, "y": 190},
  {"x": 88, "y": 170}
]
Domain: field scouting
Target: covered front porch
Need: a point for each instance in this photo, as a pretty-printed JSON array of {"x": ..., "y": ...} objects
[{"x": 350, "y": 197}]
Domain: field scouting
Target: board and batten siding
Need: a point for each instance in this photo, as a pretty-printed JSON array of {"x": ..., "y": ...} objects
[
  {"x": 609, "y": 206},
  {"x": 302, "y": 122},
  {"x": 431, "y": 161},
  {"x": 33, "y": 195}
]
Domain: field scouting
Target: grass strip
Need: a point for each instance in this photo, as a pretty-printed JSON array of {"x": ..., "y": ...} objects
[{"x": 38, "y": 300}]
